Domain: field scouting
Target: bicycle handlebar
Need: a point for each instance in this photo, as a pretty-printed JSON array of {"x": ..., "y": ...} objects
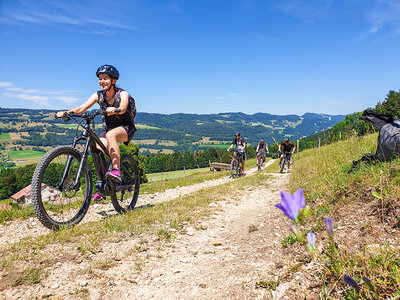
[{"x": 86, "y": 115}]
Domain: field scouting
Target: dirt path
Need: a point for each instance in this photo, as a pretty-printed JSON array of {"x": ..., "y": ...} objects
[
  {"x": 16, "y": 230},
  {"x": 237, "y": 248}
]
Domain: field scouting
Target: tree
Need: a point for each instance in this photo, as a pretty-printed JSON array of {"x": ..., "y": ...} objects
[{"x": 133, "y": 150}]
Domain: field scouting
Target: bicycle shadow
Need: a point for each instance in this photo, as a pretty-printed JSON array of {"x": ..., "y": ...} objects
[{"x": 105, "y": 214}]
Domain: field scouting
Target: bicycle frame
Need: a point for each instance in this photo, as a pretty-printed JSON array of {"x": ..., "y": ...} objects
[{"x": 92, "y": 140}]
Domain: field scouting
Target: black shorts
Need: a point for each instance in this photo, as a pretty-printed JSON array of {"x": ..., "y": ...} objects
[
  {"x": 243, "y": 154},
  {"x": 130, "y": 130}
]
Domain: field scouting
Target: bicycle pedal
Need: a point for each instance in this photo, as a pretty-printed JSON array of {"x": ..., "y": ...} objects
[{"x": 112, "y": 178}]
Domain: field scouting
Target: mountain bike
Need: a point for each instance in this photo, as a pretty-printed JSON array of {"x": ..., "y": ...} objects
[
  {"x": 236, "y": 163},
  {"x": 62, "y": 182},
  {"x": 283, "y": 163},
  {"x": 261, "y": 159}
]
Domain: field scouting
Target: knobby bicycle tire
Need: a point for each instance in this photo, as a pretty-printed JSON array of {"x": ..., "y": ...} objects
[
  {"x": 234, "y": 168},
  {"x": 283, "y": 163},
  {"x": 59, "y": 205},
  {"x": 126, "y": 191},
  {"x": 260, "y": 162}
]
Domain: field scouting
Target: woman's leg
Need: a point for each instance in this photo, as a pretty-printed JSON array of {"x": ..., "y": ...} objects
[{"x": 114, "y": 137}]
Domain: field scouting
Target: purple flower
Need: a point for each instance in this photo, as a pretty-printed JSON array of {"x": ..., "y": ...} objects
[
  {"x": 329, "y": 225},
  {"x": 311, "y": 238},
  {"x": 291, "y": 204},
  {"x": 352, "y": 282}
]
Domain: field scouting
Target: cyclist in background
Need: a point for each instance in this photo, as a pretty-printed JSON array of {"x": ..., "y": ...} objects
[
  {"x": 240, "y": 144},
  {"x": 261, "y": 149},
  {"x": 287, "y": 147},
  {"x": 119, "y": 125}
]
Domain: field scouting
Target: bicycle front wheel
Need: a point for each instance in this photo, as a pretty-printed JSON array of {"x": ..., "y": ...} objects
[
  {"x": 234, "y": 168},
  {"x": 126, "y": 191},
  {"x": 283, "y": 163},
  {"x": 57, "y": 199}
]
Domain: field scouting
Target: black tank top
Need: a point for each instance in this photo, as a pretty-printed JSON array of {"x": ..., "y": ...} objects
[{"x": 117, "y": 120}]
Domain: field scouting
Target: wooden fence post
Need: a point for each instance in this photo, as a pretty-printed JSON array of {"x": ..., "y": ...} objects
[{"x": 319, "y": 145}]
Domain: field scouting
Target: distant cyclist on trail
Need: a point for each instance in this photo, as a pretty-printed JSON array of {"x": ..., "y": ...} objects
[
  {"x": 119, "y": 125},
  {"x": 240, "y": 144},
  {"x": 287, "y": 147},
  {"x": 261, "y": 149}
]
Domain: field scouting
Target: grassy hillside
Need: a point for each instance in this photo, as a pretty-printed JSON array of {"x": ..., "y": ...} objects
[{"x": 364, "y": 204}]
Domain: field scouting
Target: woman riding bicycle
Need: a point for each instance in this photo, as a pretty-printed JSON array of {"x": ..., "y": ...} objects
[
  {"x": 119, "y": 125},
  {"x": 240, "y": 144}
]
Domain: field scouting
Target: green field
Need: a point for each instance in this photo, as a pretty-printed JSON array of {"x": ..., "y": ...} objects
[
  {"x": 218, "y": 146},
  {"x": 29, "y": 155},
  {"x": 143, "y": 126},
  {"x": 4, "y": 136},
  {"x": 174, "y": 174},
  {"x": 68, "y": 126}
]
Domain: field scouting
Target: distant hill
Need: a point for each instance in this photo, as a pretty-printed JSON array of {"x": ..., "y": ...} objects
[
  {"x": 166, "y": 132},
  {"x": 222, "y": 126}
]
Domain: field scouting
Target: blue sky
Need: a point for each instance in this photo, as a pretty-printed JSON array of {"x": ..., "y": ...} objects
[{"x": 203, "y": 56}]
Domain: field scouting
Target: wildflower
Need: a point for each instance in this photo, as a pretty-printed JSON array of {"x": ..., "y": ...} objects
[
  {"x": 291, "y": 204},
  {"x": 352, "y": 282},
  {"x": 329, "y": 225},
  {"x": 311, "y": 238}
]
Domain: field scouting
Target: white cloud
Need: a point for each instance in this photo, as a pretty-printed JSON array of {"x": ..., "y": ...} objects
[
  {"x": 233, "y": 94},
  {"x": 67, "y": 99},
  {"x": 379, "y": 15},
  {"x": 77, "y": 16},
  {"x": 18, "y": 89},
  {"x": 5, "y": 84},
  {"x": 42, "y": 98},
  {"x": 305, "y": 9}
]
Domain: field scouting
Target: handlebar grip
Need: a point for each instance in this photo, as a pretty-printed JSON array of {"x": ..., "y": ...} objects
[{"x": 118, "y": 110}]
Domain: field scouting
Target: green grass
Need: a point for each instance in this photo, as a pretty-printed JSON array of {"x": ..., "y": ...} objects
[
  {"x": 153, "y": 177},
  {"x": 68, "y": 126},
  {"x": 216, "y": 146},
  {"x": 5, "y": 136},
  {"x": 25, "y": 154},
  {"x": 143, "y": 126},
  {"x": 331, "y": 185},
  {"x": 160, "y": 186}
]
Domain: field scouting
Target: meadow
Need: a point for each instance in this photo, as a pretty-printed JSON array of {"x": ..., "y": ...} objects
[
  {"x": 153, "y": 177},
  {"x": 216, "y": 146},
  {"x": 24, "y": 157},
  {"x": 4, "y": 136},
  {"x": 361, "y": 260}
]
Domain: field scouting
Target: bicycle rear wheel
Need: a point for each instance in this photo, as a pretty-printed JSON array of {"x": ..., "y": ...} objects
[
  {"x": 56, "y": 200},
  {"x": 126, "y": 192}
]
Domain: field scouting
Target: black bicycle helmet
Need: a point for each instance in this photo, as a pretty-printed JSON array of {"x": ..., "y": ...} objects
[
  {"x": 286, "y": 140},
  {"x": 108, "y": 69},
  {"x": 237, "y": 134}
]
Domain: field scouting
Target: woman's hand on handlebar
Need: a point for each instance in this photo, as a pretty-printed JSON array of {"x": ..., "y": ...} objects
[
  {"x": 62, "y": 114},
  {"x": 112, "y": 111}
]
